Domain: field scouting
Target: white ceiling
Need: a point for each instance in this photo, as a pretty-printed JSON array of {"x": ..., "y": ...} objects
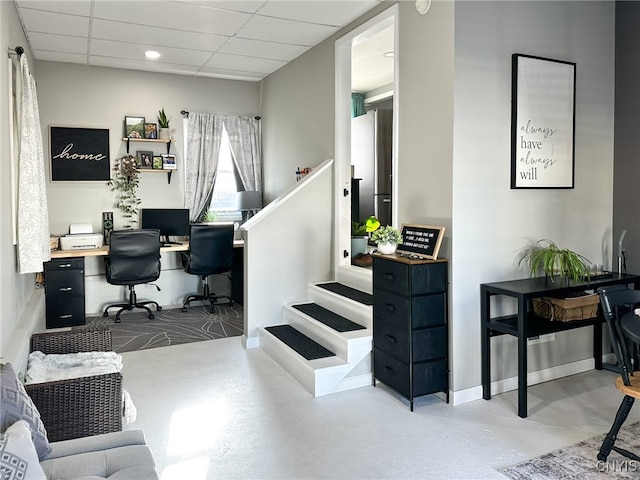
[{"x": 234, "y": 39}]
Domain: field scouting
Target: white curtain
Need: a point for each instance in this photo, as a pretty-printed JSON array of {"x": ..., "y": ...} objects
[
  {"x": 33, "y": 217},
  {"x": 244, "y": 139},
  {"x": 204, "y": 135}
]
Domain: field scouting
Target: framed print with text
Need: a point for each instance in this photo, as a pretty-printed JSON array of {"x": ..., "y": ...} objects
[
  {"x": 543, "y": 94},
  {"x": 79, "y": 154}
]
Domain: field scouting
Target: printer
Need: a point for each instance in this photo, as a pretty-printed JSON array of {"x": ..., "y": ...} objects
[{"x": 80, "y": 237}]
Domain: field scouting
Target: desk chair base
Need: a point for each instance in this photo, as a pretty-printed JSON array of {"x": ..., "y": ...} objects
[
  {"x": 207, "y": 296},
  {"x": 133, "y": 303}
]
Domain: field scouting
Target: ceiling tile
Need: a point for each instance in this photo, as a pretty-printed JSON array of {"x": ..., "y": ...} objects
[
  {"x": 75, "y": 7},
  {"x": 247, "y": 64},
  {"x": 285, "y": 31},
  {"x": 58, "y": 43},
  {"x": 47, "y": 22},
  {"x": 60, "y": 57},
  {"x": 181, "y": 16},
  {"x": 262, "y": 49},
  {"x": 235, "y": 5},
  {"x": 127, "y": 32},
  {"x": 326, "y": 12},
  {"x": 136, "y": 65},
  {"x": 179, "y": 56}
]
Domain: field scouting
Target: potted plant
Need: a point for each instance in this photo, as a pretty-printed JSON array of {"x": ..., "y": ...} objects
[
  {"x": 387, "y": 239},
  {"x": 163, "y": 123},
  {"x": 545, "y": 255},
  {"x": 360, "y": 234},
  {"x": 209, "y": 217},
  {"x": 125, "y": 181}
]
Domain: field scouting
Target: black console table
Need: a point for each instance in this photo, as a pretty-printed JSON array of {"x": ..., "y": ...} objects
[{"x": 524, "y": 324}]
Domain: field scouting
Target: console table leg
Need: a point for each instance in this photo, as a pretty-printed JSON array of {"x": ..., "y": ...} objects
[
  {"x": 522, "y": 363},
  {"x": 485, "y": 345}
]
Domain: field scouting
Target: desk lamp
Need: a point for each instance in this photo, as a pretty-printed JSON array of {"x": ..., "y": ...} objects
[{"x": 248, "y": 203}]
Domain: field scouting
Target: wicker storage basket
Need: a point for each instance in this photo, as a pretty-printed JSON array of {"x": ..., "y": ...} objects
[{"x": 567, "y": 309}]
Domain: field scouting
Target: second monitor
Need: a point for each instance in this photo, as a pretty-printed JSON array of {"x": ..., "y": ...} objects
[{"x": 170, "y": 221}]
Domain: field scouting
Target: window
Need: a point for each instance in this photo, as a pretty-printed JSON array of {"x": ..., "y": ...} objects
[{"x": 223, "y": 200}]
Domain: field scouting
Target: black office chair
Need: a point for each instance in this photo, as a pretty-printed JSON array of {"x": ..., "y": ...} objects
[
  {"x": 615, "y": 301},
  {"x": 210, "y": 253},
  {"x": 134, "y": 259}
]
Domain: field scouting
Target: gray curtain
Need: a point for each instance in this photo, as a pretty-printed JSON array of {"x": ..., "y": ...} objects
[
  {"x": 203, "y": 149},
  {"x": 33, "y": 217},
  {"x": 244, "y": 139}
]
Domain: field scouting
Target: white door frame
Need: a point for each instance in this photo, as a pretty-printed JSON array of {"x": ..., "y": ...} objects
[{"x": 345, "y": 272}]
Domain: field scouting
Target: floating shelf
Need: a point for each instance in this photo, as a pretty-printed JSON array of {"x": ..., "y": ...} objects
[{"x": 152, "y": 140}]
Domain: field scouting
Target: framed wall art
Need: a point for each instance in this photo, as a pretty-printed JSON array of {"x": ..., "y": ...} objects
[
  {"x": 150, "y": 130},
  {"x": 134, "y": 127},
  {"x": 79, "y": 154},
  {"x": 144, "y": 159},
  {"x": 543, "y": 94}
]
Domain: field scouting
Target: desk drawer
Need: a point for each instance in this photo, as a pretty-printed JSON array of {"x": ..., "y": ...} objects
[
  {"x": 65, "y": 312},
  {"x": 409, "y": 312},
  {"x": 64, "y": 264},
  {"x": 409, "y": 279},
  {"x": 428, "y": 377},
  {"x": 424, "y": 344},
  {"x": 65, "y": 283}
]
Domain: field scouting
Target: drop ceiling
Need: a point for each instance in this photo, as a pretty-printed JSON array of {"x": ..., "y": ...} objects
[{"x": 234, "y": 39}]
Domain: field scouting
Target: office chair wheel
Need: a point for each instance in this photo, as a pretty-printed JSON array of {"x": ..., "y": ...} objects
[
  {"x": 159, "y": 308},
  {"x": 105, "y": 314},
  {"x": 152, "y": 316},
  {"x": 184, "y": 309}
]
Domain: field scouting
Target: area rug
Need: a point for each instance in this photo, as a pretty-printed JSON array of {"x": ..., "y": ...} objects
[
  {"x": 579, "y": 461},
  {"x": 172, "y": 326}
]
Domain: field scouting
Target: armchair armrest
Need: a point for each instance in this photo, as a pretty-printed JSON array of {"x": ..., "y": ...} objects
[{"x": 90, "y": 339}]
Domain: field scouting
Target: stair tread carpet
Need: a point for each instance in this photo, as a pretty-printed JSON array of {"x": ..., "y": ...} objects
[
  {"x": 327, "y": 317},
  {"x": 349, "y": 292},
  {"x": 300, "y": 343}
]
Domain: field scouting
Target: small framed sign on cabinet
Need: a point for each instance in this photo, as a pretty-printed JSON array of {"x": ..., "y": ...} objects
[{"x": 421, "y": 241}]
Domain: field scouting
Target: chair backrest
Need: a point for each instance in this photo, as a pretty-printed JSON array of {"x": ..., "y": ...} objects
[
  {"x": 134, "y": 257},
  {"x": 210, "y": 249},
  {"x": 615, "y": 301}
]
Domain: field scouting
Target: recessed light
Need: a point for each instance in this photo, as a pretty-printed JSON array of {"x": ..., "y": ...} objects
[
  {"x": 151, "y": 54},
  {"x": 388, "y": 54}
]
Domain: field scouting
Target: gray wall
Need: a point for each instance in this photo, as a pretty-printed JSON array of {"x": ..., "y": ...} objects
[
  {"x": 77, "y": 95},
  {"x": 493, "y": 223},
  {"x": 626, "y": 194}
]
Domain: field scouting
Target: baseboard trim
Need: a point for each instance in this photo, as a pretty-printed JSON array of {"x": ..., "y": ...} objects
[{"x": 533, "y": 378}]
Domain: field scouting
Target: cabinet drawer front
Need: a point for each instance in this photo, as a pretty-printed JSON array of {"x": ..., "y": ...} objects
[
  {"x": 409, "y": 279},
  {"x": 430, "y": 377},
  {"x": 67, "y": 283},
  {"x": 414, "y": 312},
  {"x": 391, "y": 371},
  {"x": 61, "y": 264},
  {"x": 65, "y": 312},
  {"x": 429, "y": 344},
  {"x": 392, "y": 308},
  {"x": 392, "y": 340}
]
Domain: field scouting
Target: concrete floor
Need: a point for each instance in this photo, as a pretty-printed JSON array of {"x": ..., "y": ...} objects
[{"x": 213, "y": 410}]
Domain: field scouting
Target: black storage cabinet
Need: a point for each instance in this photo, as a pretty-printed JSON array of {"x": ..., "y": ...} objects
[
  {"x": 64, "y": 292},
  {"x": 410, "y": 332}
]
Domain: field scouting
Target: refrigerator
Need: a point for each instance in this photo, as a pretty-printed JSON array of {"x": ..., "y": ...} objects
[{"x": 371, "y": 141}]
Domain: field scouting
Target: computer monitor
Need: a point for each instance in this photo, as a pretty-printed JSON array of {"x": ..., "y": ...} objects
[{"x": 170, "y": 221}]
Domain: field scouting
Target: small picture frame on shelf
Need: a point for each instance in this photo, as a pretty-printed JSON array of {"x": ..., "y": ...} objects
[
  {"x": 134, "y": 127},
  {"x": 169, "y": 162},
  {"x": 157, "y": 162},
  {"x": 144, "y": 159},
  {"x": 150, "y": 131}
]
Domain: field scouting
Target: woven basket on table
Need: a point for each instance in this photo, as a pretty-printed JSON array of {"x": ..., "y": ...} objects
[
  {"x": 567, "y": 309},
  {"x": 77, "y": 407}
]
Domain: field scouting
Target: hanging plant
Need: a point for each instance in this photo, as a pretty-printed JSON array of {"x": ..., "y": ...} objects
[{"x": 125, "y": 181}]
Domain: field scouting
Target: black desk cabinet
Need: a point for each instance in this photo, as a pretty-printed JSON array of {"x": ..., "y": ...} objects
[
  {"x": 410, "y": 333},
  {"x": 64, "y": 292}
]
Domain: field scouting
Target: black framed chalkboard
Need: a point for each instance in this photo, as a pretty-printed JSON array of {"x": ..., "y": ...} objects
[
  {"x": 421, "y": 240},
  {"x": 79, "y": 154}
]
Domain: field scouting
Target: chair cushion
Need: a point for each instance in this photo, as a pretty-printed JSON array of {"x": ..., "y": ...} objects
[
  {"x": 15, "y": 404},
  {"x": 18, "y": 457}
]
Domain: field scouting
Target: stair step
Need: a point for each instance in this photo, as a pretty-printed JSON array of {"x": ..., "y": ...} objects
[
  {"x": 327, "y": 317},
  {"x": 300, "y": 343},
  {"x": 349, "y": 292}
]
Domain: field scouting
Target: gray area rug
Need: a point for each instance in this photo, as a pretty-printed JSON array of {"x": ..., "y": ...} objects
[
  {"x": 579, "y": 461},
  {"x": 172, "y": 326}
]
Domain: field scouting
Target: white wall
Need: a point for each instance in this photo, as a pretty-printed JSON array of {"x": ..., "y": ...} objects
[
  {"x": 492, "y": 223},
  {"x": 20, "y": 303}
]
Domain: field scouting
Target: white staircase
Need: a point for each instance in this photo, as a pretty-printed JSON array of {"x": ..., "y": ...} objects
[{"x": 350, "y": 366}]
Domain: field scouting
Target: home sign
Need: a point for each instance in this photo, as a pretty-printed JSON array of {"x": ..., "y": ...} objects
[{"x": 79, "y": 154}]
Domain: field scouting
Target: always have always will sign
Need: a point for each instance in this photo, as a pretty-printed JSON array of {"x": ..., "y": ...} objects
[{"x": 79, "y": 154}]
